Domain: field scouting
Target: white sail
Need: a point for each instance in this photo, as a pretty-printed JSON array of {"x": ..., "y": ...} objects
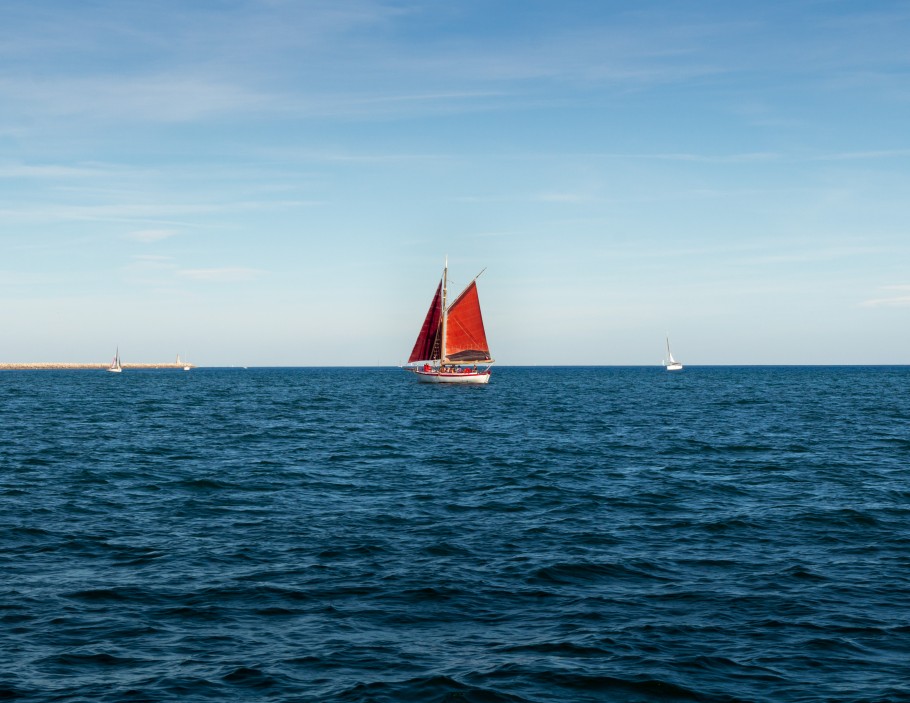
[
  {"x": 670, "y": 363},
  {"x": 115, "y": 366}
]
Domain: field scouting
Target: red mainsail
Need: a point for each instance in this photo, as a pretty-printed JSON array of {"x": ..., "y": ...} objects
[
  {"x": 466, "y": 339},
  {"x": 427, "y": 340}
]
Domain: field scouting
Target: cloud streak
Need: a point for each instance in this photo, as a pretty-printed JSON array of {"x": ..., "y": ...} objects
[
  {"x": 901, "y": 299},
  {"x": 151, "y": 235},
  {"x": 227, "y": 274},
  {"x": 270, "y": 60},
  {"x": 163, "y": 97},
  {"x": 47, "y": 171}
]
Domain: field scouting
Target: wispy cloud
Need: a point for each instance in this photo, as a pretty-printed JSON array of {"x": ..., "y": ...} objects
[
  {"x": 162, "y": 216},
  {"x": 748, "y": 157},
  {"x": 272, "y": 58},
  {"x": 152, "y": 258},
  {"x": 150, "y": 270},
  {"x": 571, "y": 198},
  {"x": 46, "y": 171},
  {"x": 814, "y": 255},
  {"x": 357, "y": 58},
  {"x": 24, "y": 278},
  {"x": 221, "y": 275},
  {"x": 151, "y": 235},
  {"x": 899, "y": 298},
  {"x": 167, "y": 97},
  {"x": 865, "y": 155},
  {"x": 153, "y": 269}
]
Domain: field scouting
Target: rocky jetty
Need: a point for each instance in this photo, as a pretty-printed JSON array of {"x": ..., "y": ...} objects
[{"x": 39, "y": 366}]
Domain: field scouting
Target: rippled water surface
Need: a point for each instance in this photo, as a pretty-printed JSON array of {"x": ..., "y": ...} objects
[{"x": 563, "y": 534}]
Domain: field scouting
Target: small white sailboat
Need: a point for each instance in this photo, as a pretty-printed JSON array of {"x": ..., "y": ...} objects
[
  {"x": 670, "y": 363},
  {"x": 115, "y": 366},
  {"x": 186, "y": 364},
  {"x": 452, "y": 345}
]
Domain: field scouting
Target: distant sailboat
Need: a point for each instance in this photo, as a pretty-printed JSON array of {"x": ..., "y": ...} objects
[
  {"x": 670, "y": 363},
  {"x": 115, "y": 366},
  {"x": 186, "y": 364},
  {"x": 452, "y": 341}
]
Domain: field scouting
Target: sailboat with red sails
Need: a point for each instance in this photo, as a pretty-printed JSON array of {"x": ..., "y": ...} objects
[{"x": 452, "y": 344}]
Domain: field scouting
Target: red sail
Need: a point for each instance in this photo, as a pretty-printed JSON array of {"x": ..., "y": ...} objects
[
  {"x": 427, "y": 341},
  {"x": 466, "y": 339}
]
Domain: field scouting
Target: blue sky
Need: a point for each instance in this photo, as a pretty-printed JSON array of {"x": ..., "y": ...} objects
[{"x": 277, "y": 182}]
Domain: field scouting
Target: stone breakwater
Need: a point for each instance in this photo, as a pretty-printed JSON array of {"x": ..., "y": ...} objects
[{"x": 36, "y": 366}]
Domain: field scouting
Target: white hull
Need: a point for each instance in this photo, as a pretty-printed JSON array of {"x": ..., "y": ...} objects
[
  {"x": 462, "y": 378},
  {"x": 117, "y": 370},
  {"x": 675, "y": 366}
]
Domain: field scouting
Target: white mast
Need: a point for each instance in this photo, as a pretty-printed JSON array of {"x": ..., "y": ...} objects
[{"x": 445, "y": 313}]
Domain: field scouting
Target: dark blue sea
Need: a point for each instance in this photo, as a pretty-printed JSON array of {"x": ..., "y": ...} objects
[{"x": 562, "y": 534}]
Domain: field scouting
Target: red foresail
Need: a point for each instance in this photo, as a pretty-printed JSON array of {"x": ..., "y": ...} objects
[
  {"x": 466, "y": 339},
  {"x": 427, "y": 339}
]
